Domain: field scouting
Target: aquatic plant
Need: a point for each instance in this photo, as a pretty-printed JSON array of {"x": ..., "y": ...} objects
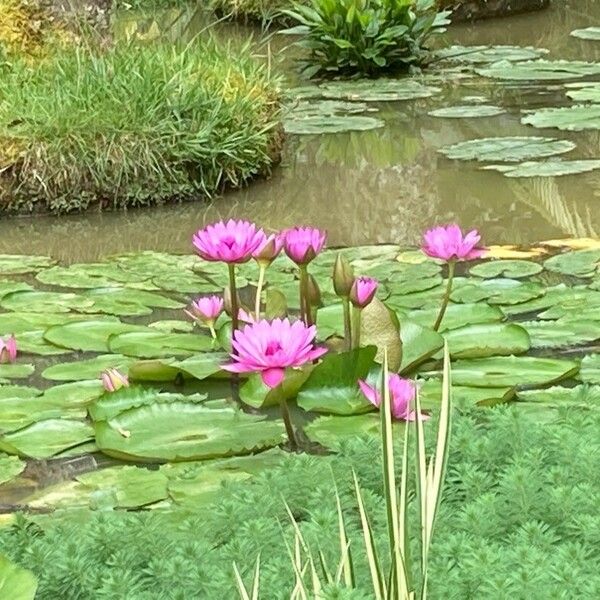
[
  {"x": 264, "y": 256},
  {"x": 8, "y": 350},
  {"x": 402, "y": 396},
  {"x": 113, "y": 380},
  {"x": 361, "y": 295},
  {"x": 206, "y": 310},
  {"x": 367, "y": 37}
]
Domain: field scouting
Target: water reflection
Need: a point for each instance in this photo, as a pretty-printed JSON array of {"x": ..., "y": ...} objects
[{"x": 377, "y": 186}]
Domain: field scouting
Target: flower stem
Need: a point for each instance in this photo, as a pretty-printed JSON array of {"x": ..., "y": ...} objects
[
  {"x": 287, "y": 421},
  {"x": 347, "y": 324},
  {"x": 446, "y": 297},
  {"x": 259, "y": 287},
  {"x": 356, "y": 315},
  {"x": 213, "y": 333},
  {"x": 235, "y": 309},
  {"x": 304, "y": 302}
]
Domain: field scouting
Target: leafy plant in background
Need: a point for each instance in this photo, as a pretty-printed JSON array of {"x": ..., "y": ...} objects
[
  {"x": 398, "y": 582},
  {"x": 365, "y": 37}
]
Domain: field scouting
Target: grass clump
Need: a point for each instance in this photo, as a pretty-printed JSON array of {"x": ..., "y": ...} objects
[
  {"x": 518, "y": 520},
  {"x": 134, "y": 125},
  {"x": 253, "y": 11}
]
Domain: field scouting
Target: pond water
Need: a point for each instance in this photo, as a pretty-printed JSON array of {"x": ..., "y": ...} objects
[{"x": 384, "y": 185}]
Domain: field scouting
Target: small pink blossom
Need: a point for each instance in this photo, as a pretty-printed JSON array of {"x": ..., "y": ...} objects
[
  {"x": 363, "y": 291},
  {"x": 269, "y": 250},
  {"x": 230, "y": 242},
  {"x": 302, "y": 244},
  {"x": 206, "y": 309},
  {"x": 113, "y": 380},
  {"x": 8, "y": 350},
  {"x": 269, "y": 347},
  {"x": 245, "y": 317},
  {"x": 402, "y": 395},
  {"x": 447, "y": 243}
]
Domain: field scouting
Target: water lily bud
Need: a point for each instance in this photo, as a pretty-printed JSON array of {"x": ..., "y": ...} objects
[
  {"x": 269, "y": 250},
  {"x": 113, "y": 380},
  {"x": 343, "y": 276},
  {"x": 363, "y": 291},
  {"x": 314, "y": 293},
  {"x": 8, "y": 350}
]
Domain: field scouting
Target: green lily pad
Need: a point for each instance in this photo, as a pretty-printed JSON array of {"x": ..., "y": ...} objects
[
  {"x": 35, "y": 301},
  {"x": 200, "y": 366},
  {"x": 332, "y": 387},
  {"x": 18, "y": 391},
  {"x": 497, "y": 291},
  {"x": 77, "y": 394},
  {"x": 579, "y": 263},
  {"x": 16, "y": 413},
  {"x": 156, "y": 344},
  {"x": 559, "y": 295},
  {"x": 456, "y": 315},
  {"x": 18, "y": 264},
  {"x": 509, "y": 149},
  {"x": 505, "y": 371},
  {"x": 172, "y": 326},
  {"x": 8, "y": 287},
  {"x": 588, "y": 33},
  {"x": 463, "y": 397},
  {"x": 588, "y": 92},
  {"x": 16, "y": 583},
  {"x": 256, "y": 394},
  {"x": 467, "y": 111},
  {"x": 182, "y": 431},
  {"x": 330, "y": 431},
  {"x": 590, "y": 369},
  {"x": 580, "y": 395},
  {"x": 568, "y": 118},
  {"x": 89, "y": 336},
  {"x": 22, "y": 322},
  {"x": 10, "y": 467},
  {"x": 489, "y": 54},
  {"x": 126, "y": 296},
  {"x": 548, "y": 168},
  {"x": 87, "y": 369},
  {"x": 540, "y": 70},
  {"x": 15, "y": 371},
  {"x": 514, "y": 269},
  {"x": 46, "y": 438},
  {"x": 418, "y": 345},
  {"x": 33, "y": 342},
  {"x": 561, "y": 333},
  {"x": 93, "y": 275},
  {"x": 331, "y": 124},
  {"x": 487, "y": 339}
]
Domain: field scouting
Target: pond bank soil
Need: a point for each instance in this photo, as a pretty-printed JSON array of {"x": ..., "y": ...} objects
[{"x": 471, "y": 10}]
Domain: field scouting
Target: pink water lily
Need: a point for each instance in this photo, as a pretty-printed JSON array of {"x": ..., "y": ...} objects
[
  {"x": 231, "y": 242},
  {"x": 206, "y": 309},
  {"x": 402, "y": 395},
  {"x": 302, "y": 244},
  {"x": 363, "y": 291},
  {"x": 448, "y": 243},
  {"x": 113, "y": 380},
  {"x": 269, "y": 250},
  {"x": 269, "y": 347},
  {"x": 8, "y": 350}
]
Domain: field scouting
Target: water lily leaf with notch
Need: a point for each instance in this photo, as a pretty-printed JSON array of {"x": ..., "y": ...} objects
[
  {"x": 15, "y": 371},
  {"x": 418, "y": 345},
  {"x": 506, "y": 371},
  {"x": 463, "y": 397},
  {"x": 16, "y": 583},
  {"x": 36, "y": 301},
  {"x": 19, "y": 264},
  {"x": 46, "y": 438},
  {"x": 10, "y": 467},
  {"x": 588, "y": 33},
  {"x": 93, "y": 275},
  {"x": 20, "y": 322},
  {"x": 579, "y": 263},
  {"x": 156, "y": 344},
  {"x": 487, "y": 339},
  {"x": 77, "y": 394},
  {"x": 16, "y": 413},
  {"x": 332, "y": 386},
  {"x": 7, "y": 287},
  {"x": 497, "y": 291},
  {"x": 456, "y": 315},
  {"x": 33, "y": 342},
  {"x": 514, "y": 269},
  {"x": 467, "y": 111},
  {"x": 128, "y": 487},
  {"x": 489, "y": 54},
  {"x": 256, "y": 394},
  {"x": 331, "y": 431},
  {"x": 567, "y": 118},
  {"x": 331, "y": 124},
  {"x": 557, "y": 295},
  {"x": 177, "y": 431},
  {"x": 379, "y": 327},
  {"x": 580, "y": 395},
  {"x": 87, "y": 369},
  {"x": 508, "y": 149},
  {"x": 590, "y": 369},
  {"x": 547, "y": 168},
  {"x": 540, "y": 70},
  {"x": 89, "y": 336},
  {"x": 562, "y": 333}
]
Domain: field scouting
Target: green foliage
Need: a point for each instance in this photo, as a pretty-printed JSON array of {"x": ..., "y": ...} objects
[
  {"x": 252, "y": 11},
  {"x": 518, "y": 519},
  {"x": 365, "y": 37},
  {"x": 134, "y": 125}
]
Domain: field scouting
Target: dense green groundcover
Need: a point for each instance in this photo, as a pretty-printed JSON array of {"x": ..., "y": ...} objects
[
  {"x": 519, "y": 520},
  {"x": 134, "y": 125}
]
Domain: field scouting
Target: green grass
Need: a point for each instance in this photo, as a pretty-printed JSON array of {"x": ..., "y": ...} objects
[
  {"x": 134, "y": 125},
  {"x": 518, "y": 520},
  {"x": 253, "y": 11}
]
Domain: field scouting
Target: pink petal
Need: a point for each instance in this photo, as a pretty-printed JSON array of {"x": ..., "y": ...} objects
[{"x": 272, "y": 377}]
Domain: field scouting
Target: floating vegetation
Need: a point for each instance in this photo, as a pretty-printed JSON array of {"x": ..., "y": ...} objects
[
  {"x": 540, "y": 70},
  {"x": 467, "y": 111},
  {"x": 588, "y": 33},
  {"x": 550, "y": 168},
  {"x": 584, "y": 92},
  {"x": 489, "y": 54},
  {"x": 568, "y": 118}
]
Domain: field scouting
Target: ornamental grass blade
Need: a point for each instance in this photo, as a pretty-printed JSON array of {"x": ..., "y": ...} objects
[
  {"x": 346, "y": 565},
  {"x": 244, "y": 594},
  {"x": 421, "y": 479}
]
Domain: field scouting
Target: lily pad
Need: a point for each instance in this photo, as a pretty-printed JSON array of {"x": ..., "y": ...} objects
[
  {"x": 588, "y": 33},
  {"x": 93, "y": 275},
  {"x": 588, "y": 92},
  {"x": 506, "y": 371},
  {"x": 509, "y": 149},
  {"x": 16, "y": 583},
  {"x": 86, "y": 369},
  {"x": 497, "y": 291},
  {"x": 467, "y": 111},
  {"x": 547, "y": 168},
  {"x": 10, "y": 467},
  {"x": 183, "y": 431},
  {"x": 562, "y": 333},
  {"x": 418, "y": 344},
  {"x": 489, "y": 54},
  {"x": 487, "y": 339},
  {"x": 15, "y": 371},
  {"x": 463, "y": 397},
  {"x": 590, "y": 369},
  {"x": 514, "y": 269},
  {"x": 35, "y": 301},
  {"x": 256, "y": 394},
  {"x": 18, "y": 264},
  {"x": 77, "y": 394},
  {"x": 580, "y": 395},
  {"x": 330, "y": 431},
  {"x": 540, "y": 70},
  {"x": 16, "y": 413},
  {"x": 578, "y": 263},
  {"x": 33, "y": 342},
  {"x": 456, "y": 315},
  {"x": 18, "y": 391},
  {"x": 46, "y": 438},
  {"x": 155, "y": 344},
  {"x": 331, "y": 124},
  {"x": 567, "y": 118}
]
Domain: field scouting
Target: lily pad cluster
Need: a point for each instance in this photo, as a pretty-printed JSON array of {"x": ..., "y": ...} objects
[{"x": 519, "y": 330}]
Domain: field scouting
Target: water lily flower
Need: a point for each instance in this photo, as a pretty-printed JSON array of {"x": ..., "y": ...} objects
[
  {"x": 363, "y": 291},
  {"x": 402, "y": 395},
  {"x": 302, "y": 244},
  {"x": 269, "y": 347},
  {"x": 113, "y": 380},
  {"x": 448, "y": 243},
  {"x": 206, "y": 309},
  {"x": 231, "y": 242},
  {"x": 8, "y": 350},
  {"x": 269, "y": 250}
]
